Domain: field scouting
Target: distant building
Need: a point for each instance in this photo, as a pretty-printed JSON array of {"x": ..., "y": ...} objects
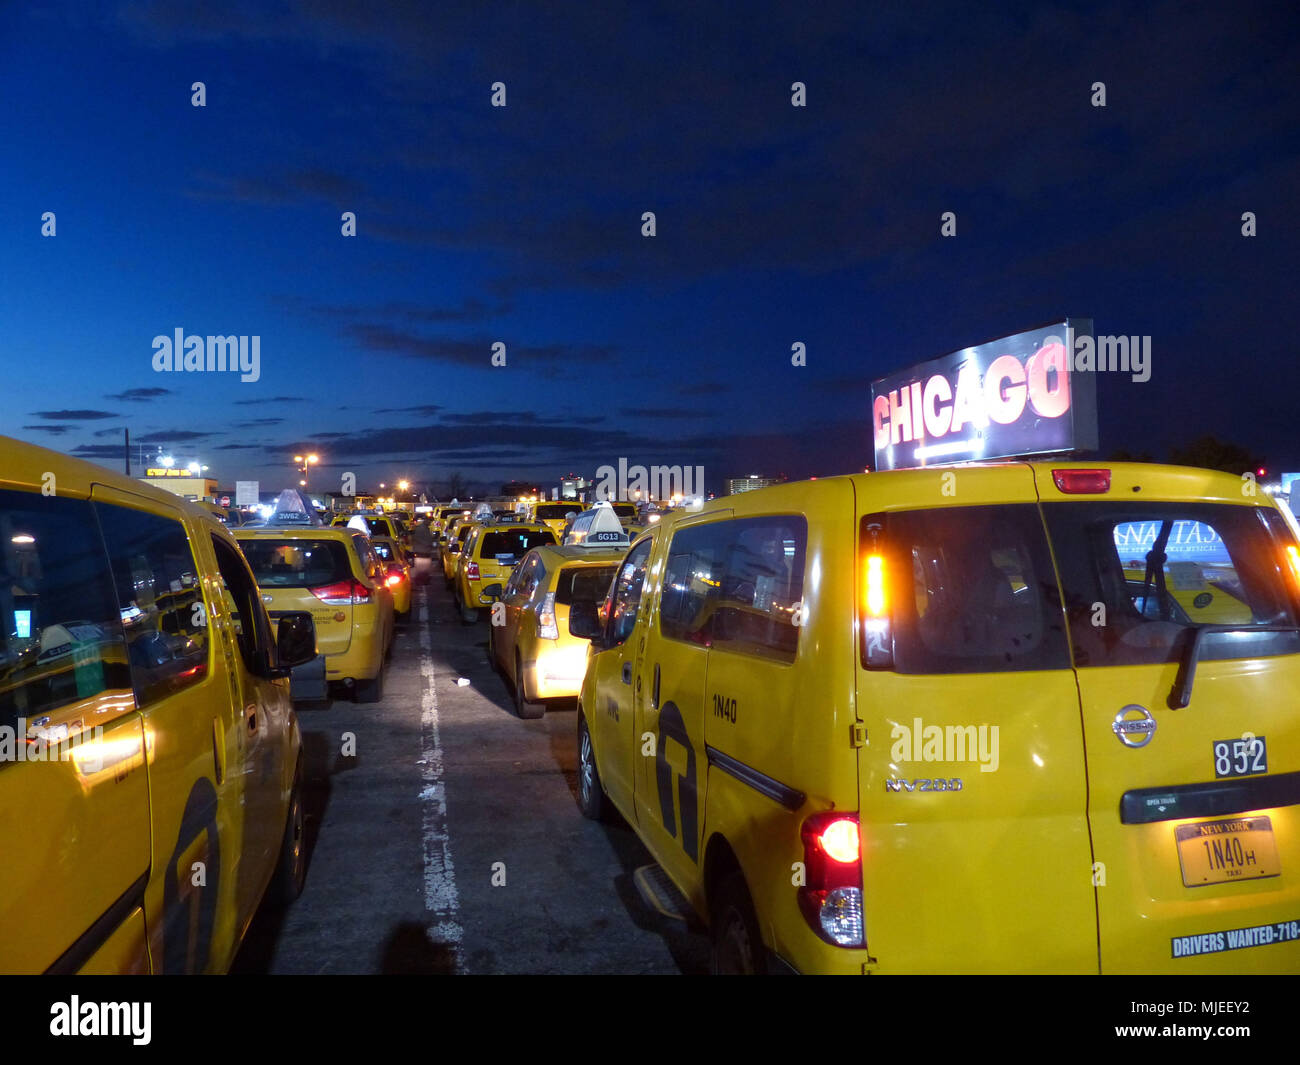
[
  {"x": 182, "y": 482},
  {"x": 736, "y": 485}
]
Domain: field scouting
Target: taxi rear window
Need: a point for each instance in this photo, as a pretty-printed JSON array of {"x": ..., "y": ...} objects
[
  {"x": 553, "y": 511},
  {"x": 297, "y": 563},
  {"x": 1138, "y": 577},
  {"x": 513, "y": 541},
  {"x": 968, "y": 590},
  {"x": 583, "y": 583}
]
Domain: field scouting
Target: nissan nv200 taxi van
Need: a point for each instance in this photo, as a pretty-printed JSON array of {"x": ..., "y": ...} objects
[{"x": 1000, "y": 717}]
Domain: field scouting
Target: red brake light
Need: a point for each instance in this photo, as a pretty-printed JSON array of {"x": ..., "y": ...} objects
[
  {"x": 831, "y": 897},
  {"x": 342, "y": 593},
  {"x": 393, "y": 580},
  {"x": 471, "y": 570},
  {"x": 1082, "y": 482}
]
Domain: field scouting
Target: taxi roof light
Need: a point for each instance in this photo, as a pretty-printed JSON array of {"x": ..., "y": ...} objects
[{"x": 1082, "y": 482}]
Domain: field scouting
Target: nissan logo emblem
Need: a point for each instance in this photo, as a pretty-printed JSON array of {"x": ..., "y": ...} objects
[{"x": 1134, "y": 726}]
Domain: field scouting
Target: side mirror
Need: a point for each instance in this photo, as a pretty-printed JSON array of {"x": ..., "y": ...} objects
[
  {"x": 454, "y": 547},
  {"x": 492, "y": 591},
  {"x": 295, "y": 639},
  {"x": 584, "y": 620}
]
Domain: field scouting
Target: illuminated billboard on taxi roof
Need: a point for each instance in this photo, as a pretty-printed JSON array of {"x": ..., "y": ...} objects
[{"x": 1017, "y": 395}]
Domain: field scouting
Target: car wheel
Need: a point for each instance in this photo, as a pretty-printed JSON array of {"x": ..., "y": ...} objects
[
  {"x": 291, "y": 871},
  {"x": 737, "y": 944},
  {"x": 371, "y": 691},
  {"x": 528, "y": 711},
  {"x": 468, "y": 614},
  {"x": 591, "y": 793}
]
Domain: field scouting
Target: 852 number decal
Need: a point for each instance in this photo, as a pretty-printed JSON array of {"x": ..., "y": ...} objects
[{"x": 1244, "y": 757}]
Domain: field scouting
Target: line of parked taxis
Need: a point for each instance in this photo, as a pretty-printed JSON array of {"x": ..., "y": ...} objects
[
  {"x": 1050, "y": 723},
  {"x": 150, "y": 758}
]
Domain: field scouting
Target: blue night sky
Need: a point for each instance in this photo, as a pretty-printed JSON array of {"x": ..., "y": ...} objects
[{"x": 522, "y": 224}]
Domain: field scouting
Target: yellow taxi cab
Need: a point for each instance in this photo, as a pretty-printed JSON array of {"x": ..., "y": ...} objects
[
  {"x": 452, "y": 545},
  {"x": 491, "y": 551},
  {"x": 444, "y": 516},
  {"x": 554, "y": 515},
  {"x": 150, "y": 757},
  {"x": 390, "y": 525},
  {"x": 933, "y": 720},
  {"x": 397, "y": 573},
  {"x": 529, "y": 640},
  {"x": 334, "y": 575}
]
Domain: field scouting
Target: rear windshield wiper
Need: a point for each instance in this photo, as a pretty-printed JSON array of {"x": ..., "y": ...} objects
[{"x": 1181, "y": 693}]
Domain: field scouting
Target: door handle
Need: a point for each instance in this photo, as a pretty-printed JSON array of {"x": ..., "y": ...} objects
[{"x": 627, "y": 672}]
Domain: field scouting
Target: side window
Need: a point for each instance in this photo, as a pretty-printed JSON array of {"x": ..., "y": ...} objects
[
  {"x": 244, "y": 603},
  {"x": 762, "y": 587},
  {"x": 535, "y": 577},
  {"x": 692, "y": 580},
  {"x": 160, "y": 600},
  {"x": 366, "y": 553},
  {"x": 626, "y": 594},
  {"x": 60, "y": 631},
  {"x": 737, "y": 584}
]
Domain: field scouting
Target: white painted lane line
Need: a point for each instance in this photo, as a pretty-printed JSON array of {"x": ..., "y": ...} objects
[{"x": 440, "y": 896}]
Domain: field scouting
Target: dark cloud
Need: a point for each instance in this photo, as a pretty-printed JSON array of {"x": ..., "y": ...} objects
[
  {"x": 171, "y": 436},
  {"x": 476, "y": 352},
  {"x": 270, "y": 399},
  {"x": 53, "y": 430},
  {"x": 255, "y": 423},
  {"x": 428, "y": 410},
  {"x": 140, "y": 395},
  {"x": 73, "y": 415}
]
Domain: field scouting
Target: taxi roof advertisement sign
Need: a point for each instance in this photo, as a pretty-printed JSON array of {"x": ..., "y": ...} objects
[{"x": 1018, "y": 395}]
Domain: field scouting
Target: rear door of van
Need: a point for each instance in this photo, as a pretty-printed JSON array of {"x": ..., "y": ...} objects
[
  {"x": 973, "y": 794},
  {"x": 1192, "y": 738}
]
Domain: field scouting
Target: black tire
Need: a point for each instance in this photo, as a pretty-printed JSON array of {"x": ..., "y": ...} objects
[
  {"x": 371, "y": 691},
  {"x": 291, "y": 869},
  {"x": 468, "y": 615},
  {"x": 527, "y": 710},
  {"x": 733, "y": 929},
  {"x": 591, "y": 792}
]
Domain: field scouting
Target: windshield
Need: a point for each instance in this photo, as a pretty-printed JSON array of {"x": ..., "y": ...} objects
[{"x": 1137, "y": 576}]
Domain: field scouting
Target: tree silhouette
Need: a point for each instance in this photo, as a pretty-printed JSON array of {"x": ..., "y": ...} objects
[{"x": 1211, "y": 453}]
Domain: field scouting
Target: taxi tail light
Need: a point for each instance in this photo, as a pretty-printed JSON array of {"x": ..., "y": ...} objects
[
  {"x": 831, "y": 897},
  {"x": 342, "y": 593},
  {"x": 1082, "y": 482},
  {"x": 877, "y": 638},
  {"x": 546, "y": 627},
  {"x": 471, "y": 570},
  {"x": 395, "y": 575}
]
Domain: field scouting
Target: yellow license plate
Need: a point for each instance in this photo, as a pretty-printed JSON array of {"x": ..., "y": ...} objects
[{"x": 1221, "y": 852}]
